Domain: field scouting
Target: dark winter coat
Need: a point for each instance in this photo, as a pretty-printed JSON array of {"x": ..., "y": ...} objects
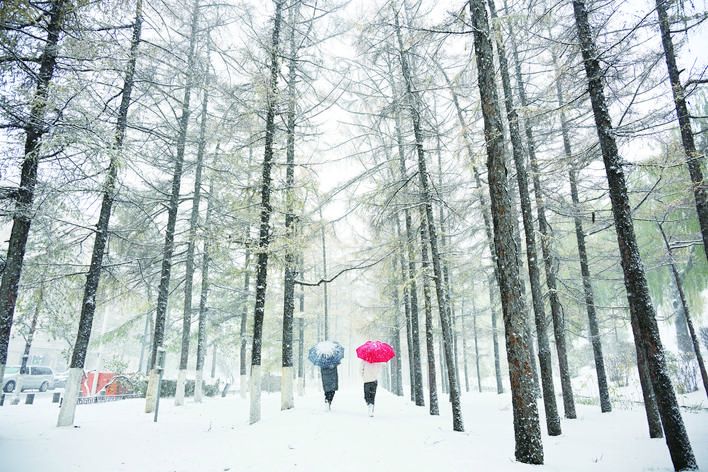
[{"x": 330, "y": 379}]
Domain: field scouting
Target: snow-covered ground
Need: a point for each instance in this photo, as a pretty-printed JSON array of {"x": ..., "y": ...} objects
[{"x": 215, "y": 436}]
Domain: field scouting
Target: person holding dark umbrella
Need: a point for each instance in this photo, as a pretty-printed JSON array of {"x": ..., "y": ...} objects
[
  {"x": 327, "y": 355},
  {"x": 373, "y": 355},
  {"x": 330, "y": 384}
]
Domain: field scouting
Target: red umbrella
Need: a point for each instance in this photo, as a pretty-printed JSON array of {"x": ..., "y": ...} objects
[{"x": 375, "y": 351}]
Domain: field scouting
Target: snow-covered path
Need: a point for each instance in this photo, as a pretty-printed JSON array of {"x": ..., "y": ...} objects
[{"x": 215, "y": 436}]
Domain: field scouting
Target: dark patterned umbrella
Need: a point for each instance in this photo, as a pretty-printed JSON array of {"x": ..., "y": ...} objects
[{"x": 326, "y": 354}]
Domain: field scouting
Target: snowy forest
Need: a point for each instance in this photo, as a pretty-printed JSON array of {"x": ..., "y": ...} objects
[{"x": 511, "y": 194}]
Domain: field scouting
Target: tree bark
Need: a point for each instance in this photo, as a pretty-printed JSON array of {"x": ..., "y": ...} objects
[
  {"x": 635, "y": 281},
  {"x": 694, "y": 159},
  {"x": 243, "y": 354},
  {"x": 189, "y": 270},
  {"x": 168, "y": 248},
  {"x": 203, "y": 296},
  {"x": 406, "y": 306},
  {"x": 287, "y": 397},
  {"x": 446, "y": 270},
  {"x": 593, "y": 326},
  {"x": 88, "y": 306},
  {"x": 527, "y": 431},
  {"x": 414, "y": 347},
  {"x": 553, "y": 424},
  {"x": 465, "y": 370},
  {"x": 429, "y": 334},
  {"x": 21, "y": 218},
  {"x": 325, "y": 298},
  {"x": 396, "y": 371},
  {"x": 651, "y": 407},
  {"x": 484, "y": 207},
  {"x": 684, "y": 304},
  {"x": 558, "y": 322},
  {"x": 476, "y": 345},
  {"x": 415, "y": 107},
  {"x": 266, "y": 210}
]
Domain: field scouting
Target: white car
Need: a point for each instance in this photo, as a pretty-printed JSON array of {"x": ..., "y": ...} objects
[{"x": 37, "y": 377}]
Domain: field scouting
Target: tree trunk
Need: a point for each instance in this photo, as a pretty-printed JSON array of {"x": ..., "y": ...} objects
[
  {"x": 465, "y": 370},
  {"x": 429, "y": 336},
  {"x": 493, "y": 282},
  {"x": 213, "y": 360},
  {"x": 203, "y": 310},
  {"x": 266, "y": 210},
  {"x": 558, "y": 321},
  {"x": 189, "y": 270},
  {"x": 301, "y": 347},
  {"x": 553, "y": 424},
  {"x": 528, "y": 337},
  {"x": 446, "y": 271},
  {"x": 406, "y": 305},
  {"x": 593, "y": 327},
  {"x": 414, "y": 347},
  {"x": 635, "y": 281},
  {"x": 22, "y": 219},
  {"x": 694, "y": 159},
  {"x": 651, "y": 407},
  {"x": 28, "y": 345},
  {"x": 488, "y": 231},
  {"x": 168, "y": 249},
  {"x": 396, "y": 370},
  {"x": 88, "y": 306},
  {"x": 476, "y": 347},
  {"x": 684, "y": 304},
  {"x": 683, "y": 338},
  {"x": 556, "y": 310},
  {"x": 287, "y": 397},
  {"x": 529, "y": 448},
  {"x": 415, "y": 107},
  {"x": 243, "y": 355},
  {"x": 325, "y": 298}
]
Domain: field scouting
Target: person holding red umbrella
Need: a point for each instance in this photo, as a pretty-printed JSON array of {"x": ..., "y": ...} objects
[
  {"x": 370, "y": 374},
  {"x": 373, "y": 355}
]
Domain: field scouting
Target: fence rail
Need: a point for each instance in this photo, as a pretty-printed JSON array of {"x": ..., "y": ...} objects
[{"x": 105, "y": 398}]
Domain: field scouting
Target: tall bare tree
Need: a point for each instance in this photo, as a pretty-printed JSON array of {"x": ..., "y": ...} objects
[
  {"x": 415, "y": 107},
  {"x": 527, "y": 431},
  {"x": 191, "y": 247},
  {"x": 35, "y": 127},
  {"x": 684, "y": 303},
  {"x": 593, "y": 326},
  {"x": 266, "y": 211},
  {"x": 694, "y": 159},
  {"x": 203, "y": 297},
  {"x": 173, "y": 206},
  {"x": 286, "y": 390},
  {"x": 553, "y": 424},
  {"x": 88, "y": 306},
  {"x": 641, "y": 308}
]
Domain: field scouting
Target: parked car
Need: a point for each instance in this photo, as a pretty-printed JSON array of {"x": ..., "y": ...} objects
[
  {"x": 37, "y": 377},
  {"x": 60, "y": 379}
]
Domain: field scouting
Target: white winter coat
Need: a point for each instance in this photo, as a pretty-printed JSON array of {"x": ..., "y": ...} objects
[{"x": 369, "y": 371}]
